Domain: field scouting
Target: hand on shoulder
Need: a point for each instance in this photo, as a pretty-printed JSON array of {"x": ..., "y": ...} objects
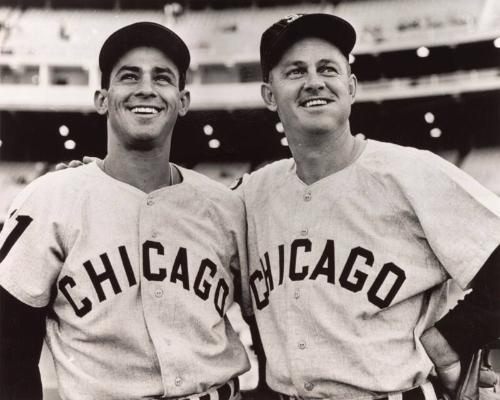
[{"x": 75, "y": 163}]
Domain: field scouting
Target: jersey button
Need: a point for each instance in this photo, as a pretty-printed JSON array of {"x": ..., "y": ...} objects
[
  {"x": 308, "y": 386},
  {"x": 154, "y": 234},
  {"x": 296, "y": 294},
  {"x": 150, "y": 202},
  {"x": 307, "y": 196},
  {"x": 158, "y": 293},
  {"x": 302, "y": 345},
  {"x": 304, "y": 232},
  {"x": 178, "y": 381}
]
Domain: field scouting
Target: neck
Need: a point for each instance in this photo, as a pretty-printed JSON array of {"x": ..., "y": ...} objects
[
  {"x": 324, "y": 155},
  {"x": 145, "y": 170}
]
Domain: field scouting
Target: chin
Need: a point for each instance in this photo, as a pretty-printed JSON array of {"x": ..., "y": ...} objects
[
  {"x": 142, "y": 142},
  {"x": 140, "y": 146},
  {"x": 323, "y": 125},
  {"x": 319, "y": 129}
]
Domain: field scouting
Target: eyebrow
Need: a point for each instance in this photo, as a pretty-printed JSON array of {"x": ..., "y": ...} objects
[
  {"x": 296, "y": 63},
  {"x": 161, "y": 70},
  {"x": 328, "y": 61},
  {"x": 158, "y": 70},
  {"x": 128, "y": 68}
]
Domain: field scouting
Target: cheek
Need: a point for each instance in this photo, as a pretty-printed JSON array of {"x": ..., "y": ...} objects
[
  {"x": 113, "y": 102},
  {"x": 285, "y": 99},
  {"x": 173, "y": 99}
]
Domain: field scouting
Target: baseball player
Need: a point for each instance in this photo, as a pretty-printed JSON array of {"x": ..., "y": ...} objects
[
  {"x": 127, "y": 264},
  {"x": 352, "y": 243}
]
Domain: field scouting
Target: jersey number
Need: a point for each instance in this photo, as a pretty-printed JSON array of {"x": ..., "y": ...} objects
[{"x": 22, "y": 223}]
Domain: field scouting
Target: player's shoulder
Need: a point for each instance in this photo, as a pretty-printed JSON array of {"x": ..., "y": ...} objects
[
  {"x": 67, "y": 178},
  {"x": 394, "y": 166},
  {"x": 208, "y": 187},
  {"x": 391, "y": 152},
  {"x": 271, "y": 174},
  {"x": 385, "y": 157},
  {"x": 201, "y": 181},
  {"x": 52, "y": 184}
]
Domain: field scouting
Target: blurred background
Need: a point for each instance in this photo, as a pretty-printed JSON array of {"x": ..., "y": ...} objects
[{"x": 429, "y": 73}]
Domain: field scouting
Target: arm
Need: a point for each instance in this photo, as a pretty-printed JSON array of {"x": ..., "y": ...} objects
[
  {"x": 472, "y": 324},
  {"x": 258, "y": 350},
  {"x": 256, "y": 341},
  {"x": 22, "y": 329}
]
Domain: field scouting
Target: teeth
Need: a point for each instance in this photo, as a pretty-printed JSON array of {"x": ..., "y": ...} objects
[
  {"x": 144, "y": 110},
  {"x": 317, "y": 102}
]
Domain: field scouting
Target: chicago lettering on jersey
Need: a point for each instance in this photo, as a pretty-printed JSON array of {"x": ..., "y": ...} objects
[
  {"x": 262, "y": 281},
  {"x": 204, "y": 285}
]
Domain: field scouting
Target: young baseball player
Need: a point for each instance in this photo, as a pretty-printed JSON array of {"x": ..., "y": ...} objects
[
  {"x": 127, "y": 264},
  {"x": 352, "y": 243}
]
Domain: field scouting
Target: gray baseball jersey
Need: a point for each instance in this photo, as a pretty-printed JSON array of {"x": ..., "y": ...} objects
[
  {"x": 345, "y": 274},
  {"x": 138, "y": 284}
]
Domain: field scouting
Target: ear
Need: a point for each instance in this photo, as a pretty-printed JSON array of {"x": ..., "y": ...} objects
[
  {"x": 267, "y": 95},
  {"x": 185, "y": 98},
  {"x": 101, "y": 101},
  {"x": 353, "y": 87}
]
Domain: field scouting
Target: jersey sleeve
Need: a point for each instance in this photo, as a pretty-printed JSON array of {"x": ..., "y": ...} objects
[
  {"x": 241, "y": 282},
  {"x": 460, "y": 219},
  {"x": 31, "y": 246}
]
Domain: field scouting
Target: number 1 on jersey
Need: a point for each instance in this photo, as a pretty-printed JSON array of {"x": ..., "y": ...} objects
[{"x": 22, "y": 223}]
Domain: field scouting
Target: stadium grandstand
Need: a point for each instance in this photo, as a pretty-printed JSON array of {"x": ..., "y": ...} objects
[{"x": 429, "y": 74}]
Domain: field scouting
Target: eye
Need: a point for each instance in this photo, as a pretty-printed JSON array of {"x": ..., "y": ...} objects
[
  {"x": 164, "y": 79},
  {"x": 328, "y": 70},
  {"x": 295, "y": 73},
  {"x": 128, "y": 77}
]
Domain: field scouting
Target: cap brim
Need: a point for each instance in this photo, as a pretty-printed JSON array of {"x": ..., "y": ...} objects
[
  {"x": 329, "y": 27},
  {"x": 325, "y": 26},
  {"x": 147, "y": 34}
]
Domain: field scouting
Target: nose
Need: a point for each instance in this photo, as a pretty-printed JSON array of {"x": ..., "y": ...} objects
[
  {"x": 314, "y": 81},
  {"x": 145, "y": 87}
]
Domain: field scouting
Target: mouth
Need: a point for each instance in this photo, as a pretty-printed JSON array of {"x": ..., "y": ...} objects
[
  {"x": 315, "y": 102},
  {"x": 145, "y": 110}
]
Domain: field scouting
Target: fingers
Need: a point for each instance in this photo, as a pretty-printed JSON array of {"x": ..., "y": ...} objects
[
  {"x": 75, "y": 163},
  {"x": 449, "y": 376},
  {"x": 89, "y": 159},
  {"x": 71, "y": 164},
  {"x": 60, "y": 166},
  {"x": 487, "y": 378}
]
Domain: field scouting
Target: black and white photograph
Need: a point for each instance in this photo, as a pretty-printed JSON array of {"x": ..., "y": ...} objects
[{"x": 250, "y": 199}]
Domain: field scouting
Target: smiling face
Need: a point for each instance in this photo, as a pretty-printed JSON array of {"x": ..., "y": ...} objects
[
  {"x": 311, "y": 88},
  {"x": 143, "y": 100}
]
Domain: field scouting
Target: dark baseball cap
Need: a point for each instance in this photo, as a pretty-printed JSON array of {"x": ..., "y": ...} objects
[
  {"x": 281, "y": 35},
  {"x": 148, "y": 34}
]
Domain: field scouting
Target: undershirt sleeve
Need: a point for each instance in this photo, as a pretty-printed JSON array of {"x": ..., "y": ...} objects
[
  {"x": 22, "y": 329},
  {"x": 475, "y": 321}
]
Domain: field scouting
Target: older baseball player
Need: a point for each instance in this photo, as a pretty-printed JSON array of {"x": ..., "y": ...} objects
[
  {"x": 352, "y": 243},
  {"x": 127, "y": 263}
]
